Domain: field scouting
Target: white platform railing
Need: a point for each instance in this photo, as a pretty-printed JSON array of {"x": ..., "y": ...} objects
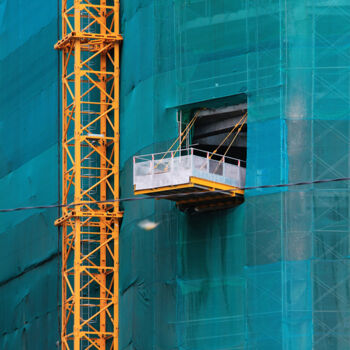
[{"x": 175, "y": 168}]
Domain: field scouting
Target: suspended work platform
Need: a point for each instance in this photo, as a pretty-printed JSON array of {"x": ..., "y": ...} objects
[{"x": 194, "y": 179}]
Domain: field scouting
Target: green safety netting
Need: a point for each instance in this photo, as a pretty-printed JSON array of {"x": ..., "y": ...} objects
[
  {"x": 272, "y": 273},
  {"x": 28, "y": 175}
]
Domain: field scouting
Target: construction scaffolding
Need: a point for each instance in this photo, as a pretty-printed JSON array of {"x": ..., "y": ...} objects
[
  {"x": 90, "y": 149},
  {"x": 270, "y": 274},
  {"x": 273, "y": 273}
]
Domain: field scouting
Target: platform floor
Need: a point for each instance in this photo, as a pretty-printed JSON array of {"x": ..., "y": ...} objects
[{"x": 198, "y": 195}]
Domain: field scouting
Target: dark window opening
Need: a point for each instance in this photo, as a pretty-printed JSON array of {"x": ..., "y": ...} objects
[{"x": 215, "y": 123}]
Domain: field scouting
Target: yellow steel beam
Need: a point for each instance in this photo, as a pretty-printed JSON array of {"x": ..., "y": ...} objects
[
  {"x": 90, "y": 169},
  {"x": 215, "y": 186},
  {"x": 164, "y": 189},
  {"x": 205, "y": 185},
  {"x": 199, "y": 200}
]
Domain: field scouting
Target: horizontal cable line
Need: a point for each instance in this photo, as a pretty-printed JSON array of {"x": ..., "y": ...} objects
[{"x": 165, "y": 196}]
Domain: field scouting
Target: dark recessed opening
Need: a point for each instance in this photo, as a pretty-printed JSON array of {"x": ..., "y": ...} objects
[{"x": 215, "y": 123}]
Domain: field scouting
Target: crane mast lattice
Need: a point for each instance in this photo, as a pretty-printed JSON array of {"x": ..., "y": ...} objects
[{"x": 90, "y": 172}]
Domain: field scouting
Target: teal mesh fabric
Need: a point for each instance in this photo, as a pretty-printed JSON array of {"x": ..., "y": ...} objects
[
  {"x": 270, "y": 274},
  {"x": 28, "y": 175},
  {"x": 273, "y": 272}
]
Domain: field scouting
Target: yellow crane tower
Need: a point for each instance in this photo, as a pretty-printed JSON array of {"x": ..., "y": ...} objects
[{"x": 90, "y": 149}]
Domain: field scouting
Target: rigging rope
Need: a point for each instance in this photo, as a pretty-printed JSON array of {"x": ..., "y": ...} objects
[
  {"x": 228, "y": 135},
  {"x": 231, "y": 143},
  {"x": 238, "y": 131},
  {"x": 186, "y": 132}
]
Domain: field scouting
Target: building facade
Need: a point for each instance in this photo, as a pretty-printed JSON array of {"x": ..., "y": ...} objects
[{"x": 271, "y": 273}]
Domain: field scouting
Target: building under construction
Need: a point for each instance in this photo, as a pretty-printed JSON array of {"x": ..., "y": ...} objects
[{"x": 175, "y": 174}]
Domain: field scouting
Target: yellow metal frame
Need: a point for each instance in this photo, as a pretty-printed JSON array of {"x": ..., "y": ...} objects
[
  {"x": 90, "y": 83},
  {"x": 216, "y": 186},
  {"x": 206, "y": 185}
]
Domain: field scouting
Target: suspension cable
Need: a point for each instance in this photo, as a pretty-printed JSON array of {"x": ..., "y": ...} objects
[
  {"x": 185, "y": 132},
  {"x": 228, "y": 135},
  {"x": 234, "y": 138}
]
